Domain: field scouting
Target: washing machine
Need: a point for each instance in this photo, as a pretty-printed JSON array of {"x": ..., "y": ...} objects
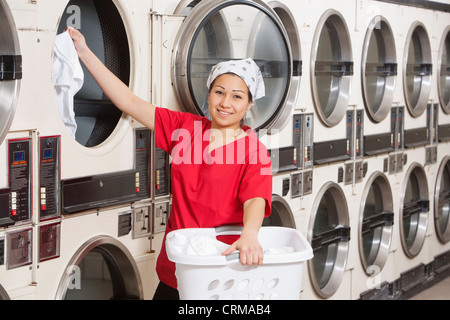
[
  {"x": 378, "y": 119},
  {"x": 416, "y": 73},
  {"x": 379, "y": 77},
  {"x": 443, "y": 80},
  {"x": 377, "y": 213},
  {"x": 439, "y": 238},
  {"x": 329, "y": 130},
  {"x": 17, "y": 147},
  {"x": 414, "y": 220},
  {"x": 326, "y": 219},
  {"x": 94, "y": 208},
  {"x": 440, "y": 149},
  {"x": 421, "y": 123}
]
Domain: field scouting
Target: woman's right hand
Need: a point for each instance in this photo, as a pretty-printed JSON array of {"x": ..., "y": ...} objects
[{"x": 78, "y": 40}]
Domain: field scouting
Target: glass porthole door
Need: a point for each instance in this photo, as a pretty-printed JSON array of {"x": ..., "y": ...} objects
[
  {"x": 216, "y": 31},
  {"x": 442, "y": 202},
  {"x": 376, "y": 220},
  {"x": 281, "y": 215},
  {"x": 330, "y": 235},
  {"x": 379, "y": 69},
  {"x": 444, "y": 72},
  {"x": 331, "y": 68},
  {"x": 417, "y": 70},
  {"x": 414, "y": 210}
]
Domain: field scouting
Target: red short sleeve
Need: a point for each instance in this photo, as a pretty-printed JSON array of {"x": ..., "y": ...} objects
[
  {"x": 257, "y": 179},
  {"x": 166, "y": 122}
]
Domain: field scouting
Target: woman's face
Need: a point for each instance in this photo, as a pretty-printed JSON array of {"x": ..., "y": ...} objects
[{"x": 228, "y": 101}]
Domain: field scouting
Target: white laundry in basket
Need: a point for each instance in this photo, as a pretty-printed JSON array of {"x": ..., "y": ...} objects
[
  {"x": 198, "y": 244},
  {"x": 202, "y": 245}
]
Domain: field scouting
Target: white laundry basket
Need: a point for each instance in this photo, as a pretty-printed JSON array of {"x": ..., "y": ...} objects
[{"x": 206, "y": 277}]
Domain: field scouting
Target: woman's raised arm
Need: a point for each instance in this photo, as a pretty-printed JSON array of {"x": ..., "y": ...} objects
[{"x": 119, "y": 93}]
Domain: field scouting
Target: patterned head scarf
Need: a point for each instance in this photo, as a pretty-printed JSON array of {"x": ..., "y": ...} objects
[{"x": 246, "y": 69}]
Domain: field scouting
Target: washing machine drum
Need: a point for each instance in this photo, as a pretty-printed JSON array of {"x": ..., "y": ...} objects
[
  {"x": 101, "y": 269},
  {"x": 10, "y": 69},
  {"x": 103, "y": 28},
  {"x": 281, "y": 215}
]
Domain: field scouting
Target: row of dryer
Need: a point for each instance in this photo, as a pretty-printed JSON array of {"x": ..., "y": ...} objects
[{"x": 356, "y": 118}]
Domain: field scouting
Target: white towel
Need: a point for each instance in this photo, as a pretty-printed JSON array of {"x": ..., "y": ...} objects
[{"x": 68, "y": 78}]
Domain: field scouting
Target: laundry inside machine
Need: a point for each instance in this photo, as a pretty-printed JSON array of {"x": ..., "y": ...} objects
[{"x": 96, "y": 116}]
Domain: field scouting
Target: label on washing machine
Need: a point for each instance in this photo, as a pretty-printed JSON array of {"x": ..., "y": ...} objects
[
  {"x": 49, "y": 174},
  {"x": 19, "y": 154},
  {"x": 162, "y": 173},
  {"x": 142, "y": 163},
  {"x": 297, "y": 140}
]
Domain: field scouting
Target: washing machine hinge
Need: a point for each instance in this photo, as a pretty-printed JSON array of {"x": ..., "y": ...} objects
[
  {"x": 328, "y": 237},
  {"x": 380, "y": 219},
  {"x": 419, "y": 69},
  {"x": 381, "y": 69},
  {"x": 410, "y": 208},
  {"x": 334, "y": 68}
]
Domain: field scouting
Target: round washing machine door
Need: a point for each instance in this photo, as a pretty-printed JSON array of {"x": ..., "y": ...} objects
[
  {"x": 331, "y": 68},
  {"x": 417, "y": 69},
  {"x": 375, "y": 225},
  {"x": 379, "y": 69},
  {"x": 281, "y": 215},
  {"x": 216, "y": 31},
  {"x": 442, "y": 202},
  {"x": 3, "y": 294},
  {"x": 414, "y": 210},
  {"x": 444, "y": 72},
  {"x": 95, "y": 116},
  {"x": 329, "y": 237},
  {"x": 102, "y": 269},
  {"x": 10, "y": 69}
]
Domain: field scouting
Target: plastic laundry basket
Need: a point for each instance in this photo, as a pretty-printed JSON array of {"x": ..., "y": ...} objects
[{"x": 219, "y": 277}]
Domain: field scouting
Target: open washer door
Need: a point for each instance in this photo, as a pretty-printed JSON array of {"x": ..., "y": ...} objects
[{"x": 216, "y": 31}]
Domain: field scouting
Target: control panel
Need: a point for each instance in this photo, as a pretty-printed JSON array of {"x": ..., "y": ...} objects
[
  {"x": 142, "y": 154},
  {"x": 49, "y": 176},
  {"x": 19, "y": 166}
]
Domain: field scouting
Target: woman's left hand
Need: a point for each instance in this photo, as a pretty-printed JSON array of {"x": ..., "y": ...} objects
[{"x": 250, "y": 251}]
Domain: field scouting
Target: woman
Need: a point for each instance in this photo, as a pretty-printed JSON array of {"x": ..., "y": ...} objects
[{"x": 221, "y": 173}]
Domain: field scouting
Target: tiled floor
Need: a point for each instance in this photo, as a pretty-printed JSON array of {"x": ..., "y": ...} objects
[{"x": 439, "y": 291}]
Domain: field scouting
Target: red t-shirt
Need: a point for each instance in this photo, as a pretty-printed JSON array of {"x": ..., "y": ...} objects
[{"x": 208, "y": 189}]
